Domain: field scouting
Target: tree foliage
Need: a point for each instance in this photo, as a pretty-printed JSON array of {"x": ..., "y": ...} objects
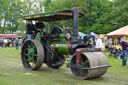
[{"x": 101, "y": 16}]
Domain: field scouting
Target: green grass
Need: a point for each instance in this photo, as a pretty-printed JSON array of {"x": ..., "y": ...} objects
[{"x": 13, "y": 73}]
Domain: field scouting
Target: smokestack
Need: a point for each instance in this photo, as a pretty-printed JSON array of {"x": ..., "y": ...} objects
[{"x": 75, "y": 13}]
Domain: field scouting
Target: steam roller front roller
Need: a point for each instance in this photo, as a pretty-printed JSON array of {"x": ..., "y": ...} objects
[
  {"x": 92, "y": 65},
  {"x": 32, "y": 55}
]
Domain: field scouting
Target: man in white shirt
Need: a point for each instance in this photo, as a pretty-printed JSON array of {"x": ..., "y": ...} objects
[{"x": 98, "y": 42}]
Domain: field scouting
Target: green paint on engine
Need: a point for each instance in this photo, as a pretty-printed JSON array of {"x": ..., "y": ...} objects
[
  {"x": 61, "y": 48},
  {"x": 37, "y": 36},
  {"x": 62, "y": 36}
]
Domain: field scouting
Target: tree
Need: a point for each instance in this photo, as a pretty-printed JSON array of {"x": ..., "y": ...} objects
[
  {"x": 10, "y": 9},
  {"x": 96, "y": 13},
  {"x": 101, "y": 16},
  {"x": 46, "y": 4}
]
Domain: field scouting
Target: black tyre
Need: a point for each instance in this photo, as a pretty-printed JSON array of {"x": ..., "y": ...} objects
[{"x": 56, "y": 62}]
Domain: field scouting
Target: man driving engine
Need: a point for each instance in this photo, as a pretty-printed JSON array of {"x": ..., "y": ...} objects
[{"x": 39, "y": 26}]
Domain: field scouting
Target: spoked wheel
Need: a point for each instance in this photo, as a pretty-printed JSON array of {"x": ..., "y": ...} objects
[
  {"x": 32, "y": 54},
  {"x": 56, "y": 62}
]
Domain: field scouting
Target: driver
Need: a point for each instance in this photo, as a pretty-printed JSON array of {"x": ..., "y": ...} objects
[
  {"x": 39, "y": 26},
  {"x": 30, "y": 30}
]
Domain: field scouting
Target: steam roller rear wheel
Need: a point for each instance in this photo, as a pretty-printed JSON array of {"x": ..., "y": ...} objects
[
  {"x": 90, "y": 60},
  {"x": 32, "y": 54},
  {"x": 56, "y": 62}
]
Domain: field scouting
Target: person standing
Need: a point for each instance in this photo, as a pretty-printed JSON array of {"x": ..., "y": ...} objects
[
  {"x": 110, "y": 43},
  {"x": 13, "y": 42},
  {"x": 124, "y": 45},
  {"x": 21, "y": 41},
  {"x": 30, "y": 29},
  {"x": 6, "y": 42},
  {"x": 0, "y": 43},
  {"x": 17, "y": 43},
  {"x": 9, "y": 42},
  {"x": 98, "y": 43},
  {"x": 39, "y": 26},
  {"x": 3, "y": 43}
]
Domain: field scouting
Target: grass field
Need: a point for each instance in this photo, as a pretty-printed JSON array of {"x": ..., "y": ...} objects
[{"x": 13, "y": 73}]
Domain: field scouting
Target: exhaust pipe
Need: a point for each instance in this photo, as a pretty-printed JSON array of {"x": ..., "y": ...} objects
[{"x": 75, "y": 21}]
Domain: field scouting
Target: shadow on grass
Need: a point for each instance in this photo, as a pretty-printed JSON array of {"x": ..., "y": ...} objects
[
  {"x": 67, "y": 73},
  {"x": 47, "y": 69}
]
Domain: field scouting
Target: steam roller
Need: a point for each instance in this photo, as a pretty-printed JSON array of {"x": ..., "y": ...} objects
[
  {"x": 91, "y": 65},
  {"x": 54, "y": 44}
]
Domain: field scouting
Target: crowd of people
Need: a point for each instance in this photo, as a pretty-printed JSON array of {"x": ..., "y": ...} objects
[
  {"x": 122, "y": 41},
  {"x": 15, "y": 42}
]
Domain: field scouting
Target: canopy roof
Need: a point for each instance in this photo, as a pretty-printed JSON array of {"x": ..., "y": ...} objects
[
  {"x": 119, "y": 32},
  {"x": 51, "y": 16}
]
